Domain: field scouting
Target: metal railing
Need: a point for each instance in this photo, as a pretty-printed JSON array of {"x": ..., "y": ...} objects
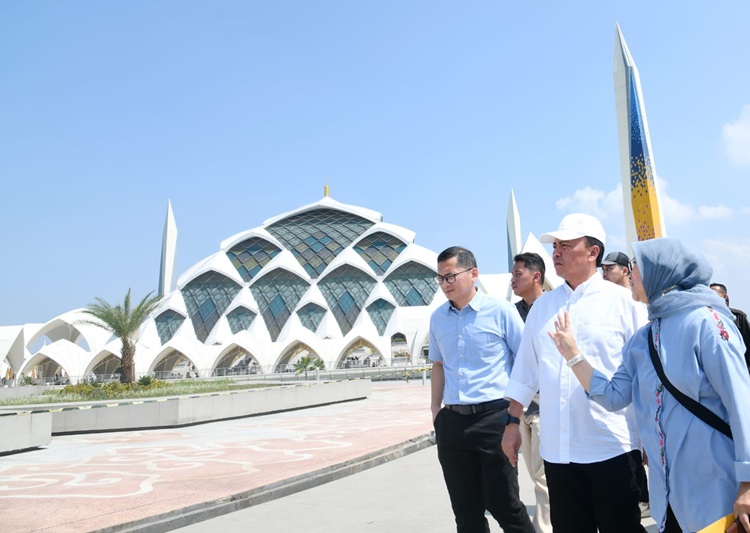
[{"x": 404, "y": 372}]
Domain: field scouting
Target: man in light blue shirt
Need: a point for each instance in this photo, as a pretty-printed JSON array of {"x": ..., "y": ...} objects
[{"x": 473, "y": 342}]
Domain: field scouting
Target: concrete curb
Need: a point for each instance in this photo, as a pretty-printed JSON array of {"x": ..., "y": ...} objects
[{"x": 212, "y": 509}]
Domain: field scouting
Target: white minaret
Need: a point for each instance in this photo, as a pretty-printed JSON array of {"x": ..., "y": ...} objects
[
  {"x": 168, "y": 253},
  {"x": 513, "y": 227}
]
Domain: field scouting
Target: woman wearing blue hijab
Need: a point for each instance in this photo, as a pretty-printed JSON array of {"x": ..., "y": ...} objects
[{"x": 697, "y": 475}]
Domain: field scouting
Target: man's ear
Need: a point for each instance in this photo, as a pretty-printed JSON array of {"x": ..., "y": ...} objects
[{"x": 595, "y": 251}]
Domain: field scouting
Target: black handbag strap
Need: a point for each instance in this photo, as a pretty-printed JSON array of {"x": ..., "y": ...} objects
[{"x": 698, "y": 409}]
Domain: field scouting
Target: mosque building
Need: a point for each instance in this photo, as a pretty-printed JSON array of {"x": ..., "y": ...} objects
[{"x": 327, "y": 280}]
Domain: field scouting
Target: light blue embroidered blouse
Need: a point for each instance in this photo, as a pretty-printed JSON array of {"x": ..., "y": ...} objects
[{"x": 700, "y": 470}]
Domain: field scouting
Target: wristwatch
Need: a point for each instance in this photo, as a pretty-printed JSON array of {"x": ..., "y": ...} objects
[{"x": 510, "y": 419}]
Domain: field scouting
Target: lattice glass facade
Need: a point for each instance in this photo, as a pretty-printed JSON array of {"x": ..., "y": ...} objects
[
  {"x": 167, "y": 324},
  {"x": 310, "y": 315},
  {"x": 380, "y": 312},
  {"x": 278, "y": 293},
  {"x": 207, "y": 297},
  {"x": 251, "y": 255},
  {"x": 412, "y": 284},
  {"x": 316, "y": 237},
  {"x": 346, "y": 289},
  {"x": 379, "y": 250},
  {"x": 240, "y": 319}
]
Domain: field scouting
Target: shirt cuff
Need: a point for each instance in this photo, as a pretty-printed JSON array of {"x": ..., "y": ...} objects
[
  {"x": 520, "y": 393},
  {"x": 597, "y": 385},
  {"x": 742, "y": 471}
]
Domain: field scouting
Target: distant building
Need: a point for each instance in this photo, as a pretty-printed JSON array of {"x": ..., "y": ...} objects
[{"x": 327, "y": 280}]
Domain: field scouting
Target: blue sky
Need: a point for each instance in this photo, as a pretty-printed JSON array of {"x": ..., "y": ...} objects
[{"x": 427, "y": 111}]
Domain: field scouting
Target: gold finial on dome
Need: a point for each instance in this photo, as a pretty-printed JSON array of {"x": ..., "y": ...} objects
[{"x": 326, "y": 190}]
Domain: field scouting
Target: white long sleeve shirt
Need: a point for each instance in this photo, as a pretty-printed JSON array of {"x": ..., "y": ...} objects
[{"x": 574, "y": 429}]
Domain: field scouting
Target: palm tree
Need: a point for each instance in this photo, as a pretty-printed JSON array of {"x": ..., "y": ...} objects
[
  {"x": 124, "y": 323},
  {"x": 307, "y": 362}
]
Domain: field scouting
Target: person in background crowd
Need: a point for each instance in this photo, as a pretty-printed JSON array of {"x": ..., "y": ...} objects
[
  {"x": 740, "y": 320},
  {"x": 527, "y": 282}
]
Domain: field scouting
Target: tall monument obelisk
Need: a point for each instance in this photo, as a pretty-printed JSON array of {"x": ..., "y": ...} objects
[
  {"x": 643, "y": 218},
  {"x": 168, "y": 252}
]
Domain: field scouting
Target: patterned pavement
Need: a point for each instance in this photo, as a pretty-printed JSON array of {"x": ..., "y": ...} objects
[{"x": 82, "y": 483}]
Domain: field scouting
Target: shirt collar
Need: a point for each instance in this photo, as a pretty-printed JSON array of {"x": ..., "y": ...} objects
[
  {"x": 475, "y": 303},
  {"x": 593, "y": 281}
]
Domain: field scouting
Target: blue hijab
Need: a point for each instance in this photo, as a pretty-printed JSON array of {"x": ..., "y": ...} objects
[{"x": 675, "y": 278}]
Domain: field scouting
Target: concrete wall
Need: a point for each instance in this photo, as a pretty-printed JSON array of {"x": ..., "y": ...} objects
[
  {"x": 180, "y": 411},
  {"x": 21, "y": 392},
  {"x": 25, "y": 430}
]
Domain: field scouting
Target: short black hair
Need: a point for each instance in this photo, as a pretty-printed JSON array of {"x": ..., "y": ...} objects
[
  {"x": 591, "y": 241},
  {"x": 721, "y": 287},
  {"x": 464, "y": 257},
  {"x": 723, "y": 290},
  {"x": 533, "y": 262}
]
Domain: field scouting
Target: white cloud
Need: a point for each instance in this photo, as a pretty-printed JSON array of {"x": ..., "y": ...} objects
[
  {"x": 736, "y": 137},
  {"x": 714, "y": 212},
  {"x": 604, "y": 204},
  {"x": 595, "y": 202}
]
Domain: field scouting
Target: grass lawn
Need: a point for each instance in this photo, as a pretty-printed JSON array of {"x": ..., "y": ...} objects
[{"x": 145, "y": 388}]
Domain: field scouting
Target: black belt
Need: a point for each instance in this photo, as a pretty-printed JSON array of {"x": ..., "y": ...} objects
[{"x": 472, "y": 409}]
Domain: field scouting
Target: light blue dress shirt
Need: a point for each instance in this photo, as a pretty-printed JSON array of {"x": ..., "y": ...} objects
[
  {"x": 477, "y": 347},
  {"x": 694, "y": 468}
]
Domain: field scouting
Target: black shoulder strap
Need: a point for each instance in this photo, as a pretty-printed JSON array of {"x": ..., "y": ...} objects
[{"x": 698, "y": 409}]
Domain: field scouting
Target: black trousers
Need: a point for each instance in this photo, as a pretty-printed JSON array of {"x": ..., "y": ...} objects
[
  {"x": 599, "y": 496},
  {"x": 477, "y": 472}
]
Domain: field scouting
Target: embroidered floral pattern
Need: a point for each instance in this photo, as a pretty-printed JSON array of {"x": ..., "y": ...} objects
[
  {"x": 720, "y": 324},
  {"x": 659, "y": 407}
]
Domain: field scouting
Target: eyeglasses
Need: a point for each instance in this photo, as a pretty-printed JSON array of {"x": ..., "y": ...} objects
[{"x": 449, "y": 278}]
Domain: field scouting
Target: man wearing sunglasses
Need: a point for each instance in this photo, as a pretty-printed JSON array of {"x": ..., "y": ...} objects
[{"x": 473, "y": 342}]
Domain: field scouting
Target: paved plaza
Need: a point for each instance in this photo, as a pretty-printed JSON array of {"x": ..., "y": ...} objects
[{"x": 168, "y": 479}]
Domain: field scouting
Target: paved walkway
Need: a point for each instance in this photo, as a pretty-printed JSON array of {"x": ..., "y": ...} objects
[{"x": 160, "y": 480}]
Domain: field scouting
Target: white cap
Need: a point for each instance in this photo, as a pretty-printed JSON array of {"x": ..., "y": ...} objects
[{"x": 575, "y": 226}]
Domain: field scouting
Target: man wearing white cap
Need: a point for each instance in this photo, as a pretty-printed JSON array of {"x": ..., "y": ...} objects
[{"x": 590, "y": 455}]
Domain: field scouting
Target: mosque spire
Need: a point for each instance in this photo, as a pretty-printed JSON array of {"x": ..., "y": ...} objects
[
  {"x": 327, "y": 190},
  {"x": 643, "y": 218},
  {"x": 168, "y": 252},
  {"x": 513, "y": 228}
]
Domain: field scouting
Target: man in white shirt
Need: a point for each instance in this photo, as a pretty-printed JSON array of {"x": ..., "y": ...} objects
[{"x": 590, "y": 455}]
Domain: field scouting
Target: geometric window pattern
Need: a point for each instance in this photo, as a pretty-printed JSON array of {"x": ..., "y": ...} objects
[
  {"x": 310, "y": 315},
  {"x": 251, "y": 255},
  {"x": 206, "y": 298},
  {"x": 346, "y": 289},
  {"x": 412, "y": 284},
  {"x": 317, "y": 237},
  {"x": 380, "y": 250},
  {"x": 380, "y": 312},
  {"x": 167, "y": 324},
  {"x": 278, "y": 293},
  {"x": 240, "y": 319}
]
